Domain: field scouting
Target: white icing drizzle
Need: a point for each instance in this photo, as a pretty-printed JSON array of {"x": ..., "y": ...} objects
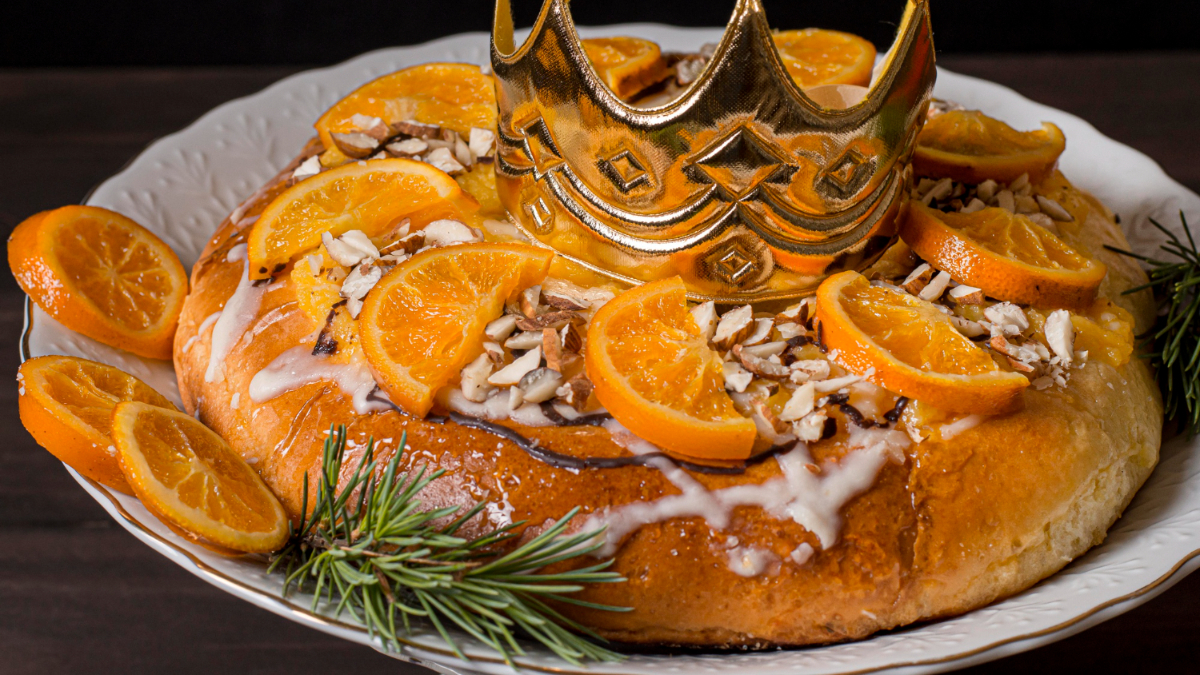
[
  {"x": 813, "y": 500},
  {"x": 297, "y": 367},
  {"x": 208, "y": 321},
  {"x": 958, "y": 426},
  {"x": 240, "y": 310}
]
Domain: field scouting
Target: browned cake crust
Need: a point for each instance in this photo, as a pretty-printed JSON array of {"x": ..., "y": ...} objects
[{"x": 955, "y": 525}]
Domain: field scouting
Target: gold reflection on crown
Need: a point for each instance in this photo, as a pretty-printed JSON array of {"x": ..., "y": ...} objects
[{"x": 743, "y": 184}]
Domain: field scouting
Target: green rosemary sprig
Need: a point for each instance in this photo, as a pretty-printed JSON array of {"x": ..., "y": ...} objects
[
  {"x": 386, "y": 559},
  {"x": 1174, "y": 341}
]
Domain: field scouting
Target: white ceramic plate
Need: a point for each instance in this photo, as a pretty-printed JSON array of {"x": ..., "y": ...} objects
[{"x": 182, "y": 186}]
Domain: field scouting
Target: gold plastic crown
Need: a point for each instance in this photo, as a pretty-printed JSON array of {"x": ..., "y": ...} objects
[{"x": 742, "y": 185}]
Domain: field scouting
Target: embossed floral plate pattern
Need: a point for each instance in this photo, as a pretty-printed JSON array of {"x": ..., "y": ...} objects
[{"x": 182, "y": 186}]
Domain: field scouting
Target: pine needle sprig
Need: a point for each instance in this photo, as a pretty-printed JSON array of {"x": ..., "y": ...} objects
[
  {"x": 1173, "y": 344},
  {"x": 385, "y": 559}
]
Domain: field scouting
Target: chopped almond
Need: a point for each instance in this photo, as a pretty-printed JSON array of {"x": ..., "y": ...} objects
[
  {"x": 733, "y": 326},
  {"x": 529, "y": 300},
  {"x": 575, "y": 392},
  {"x": 355, "y": 144},
  {"x": 917, "y": 279},
  {"x": 705, "y": 315},
  {"x": 552, "y": 349},
  {"x": 549, "y": 320}
]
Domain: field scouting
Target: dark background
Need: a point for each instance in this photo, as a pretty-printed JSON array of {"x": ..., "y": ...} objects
[
  {"x": 84, "y": 86},
  {"x": 245, "y": 32}
]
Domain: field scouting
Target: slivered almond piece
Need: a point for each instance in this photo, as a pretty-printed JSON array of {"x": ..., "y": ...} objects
[
  {"x": 308, "y": 168},
  {"x": 967, "y": 327},
  {"x": 812, "y": 369},
  {"x": 525, "y": 340},
  {"x": 575, "y": 392},
  {"x": 409, "y": 147},
  {"x": 705, "y": 316},
  {"x": 540, "y": 384},
  {"x": 529, "y": 300},
  {"x": 759, "y": 332},
  {"x": 572, "y": 338},
  {"x": 1026, "y": 205},
  {"x": 1060, "y": 335},
  {"x": 495, "y": 352},
  {"x": 1020, "y": 366},
  {"x": 501, "y": 328},
  {"x": 1007, "y": 317},
  {"x": 482, "y": 141},
  {"x": 789, "y": 330},
  {"x": 760, "y": 366},
  {"x": 446, "y": 232},
  {"x": 733, "y": 326},
  {"x": 475, "y": 385},
  {"x": 974, "y": 205},
  {"x": 443, "y": 158},
  {"x": 766, "y": 349},
  {"x": 371, "y": 126},
  {"x": 513, "y": 372},
  {"x": 762, "y": 410},
  {"x": 1054, "y": 209},
  {"x": 737, "y": 378},
  {"x": 355, "y": 144},
  {"x": 966, "y": 295},
  {"x": 791, "y": 314},
  {"x": 417, "y": 129},
  {"x": 811, "y": 427},
  {"x": 936, "y": 286},
  {"x": 462, "y": 152},
  {"x": 560, "y": 299},
  {"x": 552, "y": 350},
  {"x": 1006, "y": 200},
  {"x": 986, "y": 190},
  {"x": 800, "y": 404},
  {"x": 549, "y": 320},
  {"x": 917, "y": 279}
]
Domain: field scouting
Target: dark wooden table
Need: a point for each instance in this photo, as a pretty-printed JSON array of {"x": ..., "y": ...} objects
[{"x": 79, "y": 594}]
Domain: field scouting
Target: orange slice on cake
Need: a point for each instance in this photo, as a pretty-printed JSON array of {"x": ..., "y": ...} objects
[
  {"x": 424, "y": 320},
  {"x": 190, "y": 478},
  {"x": 66, "y": 404},
  {"x": 103, "y": 275},
  {"x": 971, "y": 147},
  {"x": 815, "y": 56},
  {"x": 653, "y": 370},
  {"x": 1007, "y": 255},
  {"x": 371, "y": 196},
  {"x": 907, "y": 345},
  {"x": 627, "y": 65},
  {"x": 457, "y": 96}
]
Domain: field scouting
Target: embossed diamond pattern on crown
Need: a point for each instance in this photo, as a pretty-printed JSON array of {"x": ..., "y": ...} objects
[{"x": 743, "y": 185}]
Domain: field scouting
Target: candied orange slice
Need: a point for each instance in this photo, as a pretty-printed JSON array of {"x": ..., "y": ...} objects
[
  {"x": 66, "y": 404},
  {"x": 424, "y": 320},
  {"x": 457, "y": 96},
  {"x": 971, "y": 147},
  {"x": 1007, "y": 255},
  {"x": 906, "y": 345},
  {"x": 815, "y": 56},
  {"x": 370, "y": 196},
  {"x": 654, "y": 371},
  {"x": 626, "y": 64},
  {"x": 188, "y": 476},
  {"x": 103, "y": 275}
]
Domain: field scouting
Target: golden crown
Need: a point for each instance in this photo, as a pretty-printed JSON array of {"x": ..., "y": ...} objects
[{"x": 743, "y": 185}]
